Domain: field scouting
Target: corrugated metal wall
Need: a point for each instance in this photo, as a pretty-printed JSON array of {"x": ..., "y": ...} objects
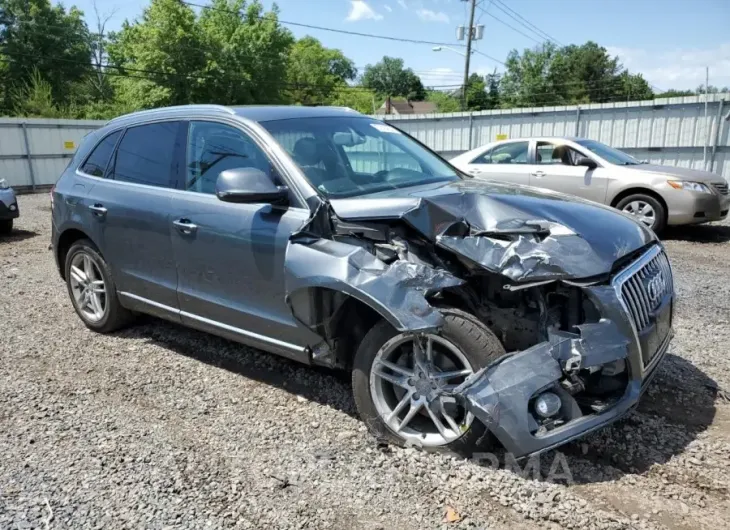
[
  {"x": 50, "y": 144},
  {"x": 670, "y": 131}
]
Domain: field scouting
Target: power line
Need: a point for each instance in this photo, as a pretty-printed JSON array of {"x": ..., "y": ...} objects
[
  {"x": 511, "y": 26},
  {"x": 522, "y": 20},
  {"x": 333, "y": 30}
]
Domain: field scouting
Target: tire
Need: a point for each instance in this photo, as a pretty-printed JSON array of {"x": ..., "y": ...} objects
[
  {"x": 6, "y": 226},
  {"x": 660, "y": 217},
  {"x": 472, "y": 338},
  {"x": 113, "y": 316}
]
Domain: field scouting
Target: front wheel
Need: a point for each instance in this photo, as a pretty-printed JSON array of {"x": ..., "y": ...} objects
[
  {"x": 401, "y": 382},
  {"x": 646, "y": 209}
]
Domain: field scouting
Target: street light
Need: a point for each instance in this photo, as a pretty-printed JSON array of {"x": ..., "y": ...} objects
[{"x": 439, "y": 48}]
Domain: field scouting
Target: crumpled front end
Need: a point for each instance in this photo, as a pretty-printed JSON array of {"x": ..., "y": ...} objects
[
  {"x": 585, "y": 379},
  {"x": 581, "y": 297}
]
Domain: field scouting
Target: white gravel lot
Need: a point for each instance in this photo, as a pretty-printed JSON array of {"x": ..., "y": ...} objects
[{"x": 158, "y": 426}]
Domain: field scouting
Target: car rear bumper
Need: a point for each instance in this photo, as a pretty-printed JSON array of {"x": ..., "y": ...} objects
[
  {"x": 685, "y": 207},
  {"x": 8, "y": 205}
]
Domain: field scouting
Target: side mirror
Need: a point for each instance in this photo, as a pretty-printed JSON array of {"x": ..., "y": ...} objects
[
  {"x": 587, "y": 162},
  {"x": 249, "y": 185}
]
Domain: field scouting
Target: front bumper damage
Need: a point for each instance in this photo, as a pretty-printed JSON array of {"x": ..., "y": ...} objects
[{"x": 501, "y": 395}]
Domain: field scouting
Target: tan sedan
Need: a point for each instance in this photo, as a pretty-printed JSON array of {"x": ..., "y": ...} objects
[{"x": 656, "y": 195}]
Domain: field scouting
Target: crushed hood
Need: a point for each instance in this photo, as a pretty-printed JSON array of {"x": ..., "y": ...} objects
[{"x": 517, "y": 231}]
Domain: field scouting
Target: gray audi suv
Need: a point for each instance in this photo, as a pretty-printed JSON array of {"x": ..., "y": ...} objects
[{"x": 466, "y": 311}]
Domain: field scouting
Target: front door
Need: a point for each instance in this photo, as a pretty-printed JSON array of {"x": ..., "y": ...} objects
[
  {"x": 230, "y": 257},
  {"x": 554, "y": 168},
  {"x": 130, "y": 216},
  {"x": 507, "y": 162}
]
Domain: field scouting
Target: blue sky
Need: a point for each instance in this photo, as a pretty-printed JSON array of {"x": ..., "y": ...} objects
[{"x": 669, "y": 41}]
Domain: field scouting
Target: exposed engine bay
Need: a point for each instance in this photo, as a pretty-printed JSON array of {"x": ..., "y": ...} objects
[{"x": 542, "y": 288}]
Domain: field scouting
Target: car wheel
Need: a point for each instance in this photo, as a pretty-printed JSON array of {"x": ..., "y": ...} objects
[
  {"x": 646, "y": 209},
  {"x": 399, "y": 378},
  {"x": 92, "y": 289},
  {"x": 6, "y": 226}
]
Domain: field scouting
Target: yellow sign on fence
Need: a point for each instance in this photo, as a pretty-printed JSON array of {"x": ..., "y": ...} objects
[
  {"x": 69, "y": 145},
  {"x": 502, "y": 137}
]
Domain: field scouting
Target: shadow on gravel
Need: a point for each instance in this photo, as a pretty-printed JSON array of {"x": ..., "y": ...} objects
[
  {"x": 17, "y": 235},
  {"x": 698, "y": 233},
  {"x": 678, "y": 405},
  {"x": 326, "y": 387}
]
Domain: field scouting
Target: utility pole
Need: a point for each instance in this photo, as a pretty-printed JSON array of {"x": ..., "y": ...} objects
[{"x": 469, "y": 34}]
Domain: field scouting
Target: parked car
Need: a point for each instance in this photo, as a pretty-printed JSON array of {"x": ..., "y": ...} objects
[
  {"x": 9, "y": 210},
  {"x": 656, "y": 195},
  {"x": 330, "y": 238}
]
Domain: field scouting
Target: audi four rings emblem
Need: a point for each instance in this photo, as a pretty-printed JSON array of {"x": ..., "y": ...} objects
[{"x": 655, "y": 287}]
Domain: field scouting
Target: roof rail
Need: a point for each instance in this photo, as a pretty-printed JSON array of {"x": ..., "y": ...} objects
[{"x": 152, "y": 112}]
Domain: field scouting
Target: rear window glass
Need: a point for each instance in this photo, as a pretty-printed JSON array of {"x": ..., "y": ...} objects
[
  {"x": 146, "y": 154},
  {"x": 99, "y": 157}
]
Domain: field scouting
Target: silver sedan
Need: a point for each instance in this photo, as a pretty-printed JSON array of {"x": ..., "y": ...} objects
[{"x": 656, "y": 195}]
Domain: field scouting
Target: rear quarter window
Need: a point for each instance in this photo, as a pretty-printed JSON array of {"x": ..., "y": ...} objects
[{"x": 97, "y": 161}]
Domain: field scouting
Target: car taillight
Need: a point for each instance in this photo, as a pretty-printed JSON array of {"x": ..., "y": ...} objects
[{"x": 52, "y": 189}]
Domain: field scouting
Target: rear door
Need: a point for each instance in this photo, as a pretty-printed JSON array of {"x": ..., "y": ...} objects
[
  {"x": 130, "y": 216},
  {"x": 553, "y": 167},
  {"x": 230, "y": 257},
  {"x": 507, "y": 162}
]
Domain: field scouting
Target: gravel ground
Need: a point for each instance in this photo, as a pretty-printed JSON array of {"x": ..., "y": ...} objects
[{"x": 163, "y": 427}]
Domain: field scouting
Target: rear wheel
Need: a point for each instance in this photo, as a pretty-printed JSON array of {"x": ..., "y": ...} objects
[
  {"x": 400, "y": 380},
  {"x": 646, "y": 209},
  {"x": 6, "y": 226},
  {"x": 92, "y": 290}
]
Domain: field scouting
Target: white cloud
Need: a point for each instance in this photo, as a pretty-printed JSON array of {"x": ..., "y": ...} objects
[
  {"x": 360, "y": 10},
  {"x": 388, "y": 8},
  {"x": 432, "y": 16},
  {"x": 678, "y": 68},
  {"x": 440, "y": 77},
  {"x": 403, "y": 4}
]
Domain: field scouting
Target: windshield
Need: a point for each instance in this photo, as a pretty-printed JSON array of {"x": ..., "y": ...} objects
[
  {"x": 614, "y": 156},
  {"x": 354, "y": 155}
]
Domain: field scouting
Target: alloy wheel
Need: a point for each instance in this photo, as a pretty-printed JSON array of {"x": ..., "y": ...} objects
[
  {"x": 643, "y": 211},
  {"x": 88, "y": 287},
  {"x": 410, "y": 380}
]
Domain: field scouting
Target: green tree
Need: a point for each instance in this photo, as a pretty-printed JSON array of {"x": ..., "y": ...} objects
[
  {"x": 674, "y": 93},
  {"x": 51, "y": 41},
  {"x": 315, "y": 72},
  {"x": 444, "y": 102},
  {"x": 389, "y": 78},
  {"x": 493, "y": 90},
  {"x": 633, "y": 87},
  {"x": 357, "y": 98},
  {"x": 247, "y": 53},
  {"x": 476, "y": 93}
]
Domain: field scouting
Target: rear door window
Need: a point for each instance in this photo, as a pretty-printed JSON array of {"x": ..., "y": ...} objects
[
  {"x": 96, "y": 164},
  {"x": 510, "y": 153},
  {"x": 147, "y": 154}
]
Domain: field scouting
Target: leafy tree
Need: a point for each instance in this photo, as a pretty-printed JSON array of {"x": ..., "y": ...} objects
[
  {"x": 673, "y": 93},
  {"x": 247, "y": 53},
  {"x": 315, "y": 72},
  {"x": 633, "y": 87},
  {"x": 164, "y": 55},
  {"x": 476, "y": 93},
  {"x": 49, "y": 40},
  {"x": 444, "y": 102},
  {"x": 356, "y": 98},
  {"x": 493, "y": 90},
  {"x": 712, "y": 89},
  {"x": 390, "y": 78}
]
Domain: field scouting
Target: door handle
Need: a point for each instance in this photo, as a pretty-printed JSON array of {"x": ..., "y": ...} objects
[
  {"x": 538, "y": 174},
  {"x": 98, "y": 210},
  {"x": 184, "y": 226}
]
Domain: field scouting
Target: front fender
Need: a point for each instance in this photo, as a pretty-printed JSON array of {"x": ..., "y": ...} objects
[{"x": 396, "y": 291}]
